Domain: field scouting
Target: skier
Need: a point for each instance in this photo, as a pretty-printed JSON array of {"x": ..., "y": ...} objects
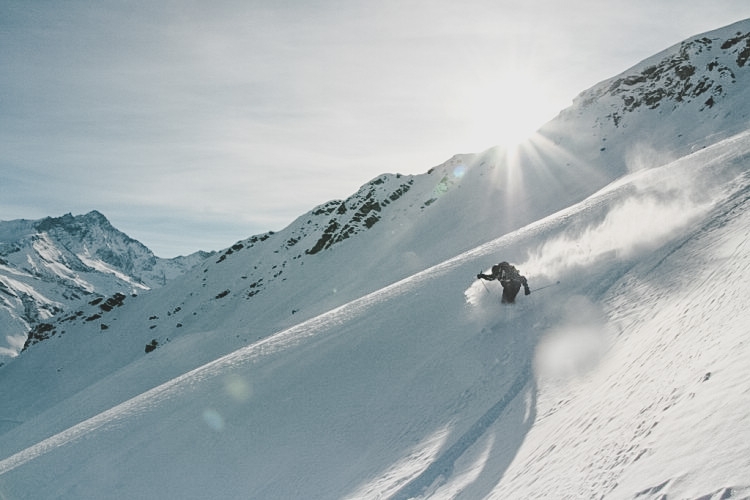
[{"x": 509, "y": 278}]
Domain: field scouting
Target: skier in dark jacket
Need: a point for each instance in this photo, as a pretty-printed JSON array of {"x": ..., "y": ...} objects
[{"x": 509, "y": 278}]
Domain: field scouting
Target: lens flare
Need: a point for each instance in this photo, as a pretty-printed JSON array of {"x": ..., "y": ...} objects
[
  {"x": 238, "y": 388},
  {"x": 213, "y": 419}
]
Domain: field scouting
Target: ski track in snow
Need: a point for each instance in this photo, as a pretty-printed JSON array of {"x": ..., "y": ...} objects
[{"x": 444, "y": 464}]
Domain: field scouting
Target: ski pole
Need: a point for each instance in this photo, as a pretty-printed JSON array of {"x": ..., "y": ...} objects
[
  {"x": 546, "y": 286},
  {"x": 487, "y": 289}
]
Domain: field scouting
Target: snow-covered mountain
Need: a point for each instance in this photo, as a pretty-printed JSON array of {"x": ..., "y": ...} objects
[
  {"x": 50, "y": 266},
  {"x": 354, "y": 354}
]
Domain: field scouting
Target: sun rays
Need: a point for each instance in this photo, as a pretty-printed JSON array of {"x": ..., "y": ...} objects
[{"x": 532, "y": 177}]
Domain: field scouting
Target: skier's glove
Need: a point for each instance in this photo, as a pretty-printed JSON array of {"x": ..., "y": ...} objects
[
  {"x": 526, "y": 291},
  {"x": 479, "y": 276}
]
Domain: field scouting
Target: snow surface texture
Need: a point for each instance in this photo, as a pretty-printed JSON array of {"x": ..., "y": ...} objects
[{"x": 309, "y": 364}]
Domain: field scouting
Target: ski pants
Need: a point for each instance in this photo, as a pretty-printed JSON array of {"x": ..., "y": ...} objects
[{"x": 510, "y": 290}]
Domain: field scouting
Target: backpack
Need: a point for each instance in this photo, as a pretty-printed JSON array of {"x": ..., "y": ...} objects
[{"x": 508, "y": 273}]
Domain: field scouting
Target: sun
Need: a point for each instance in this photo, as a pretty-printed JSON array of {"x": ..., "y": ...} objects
[
  {"x": 505, "y": 109},
  {"x": 517, "y": 110}
]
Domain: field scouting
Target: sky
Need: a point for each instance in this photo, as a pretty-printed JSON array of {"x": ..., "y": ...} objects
[{"x": 194, "y": 124}]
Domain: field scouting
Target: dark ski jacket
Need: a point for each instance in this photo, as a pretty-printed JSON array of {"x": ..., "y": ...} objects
[{"x": 507, "y": 275}]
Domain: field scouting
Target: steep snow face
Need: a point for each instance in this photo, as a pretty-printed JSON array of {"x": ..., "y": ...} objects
[
  {"x": 51, "y": 265},
  {"x": 431, "y": 388},
  {"x": 648, "y": 399}
]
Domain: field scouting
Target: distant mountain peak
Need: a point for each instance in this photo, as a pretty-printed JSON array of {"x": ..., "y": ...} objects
[
  {"x": 81, "y": 225},
  {"x": 51, "y": 264}
]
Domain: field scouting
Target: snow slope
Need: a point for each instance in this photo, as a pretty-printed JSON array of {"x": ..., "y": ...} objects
[
  {"x": 378, "y": 367},
  {"x": 581, "y": 389}
]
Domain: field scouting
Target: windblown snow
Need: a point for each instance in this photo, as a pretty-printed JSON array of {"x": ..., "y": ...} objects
[{"x": 375, "y": 365}]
